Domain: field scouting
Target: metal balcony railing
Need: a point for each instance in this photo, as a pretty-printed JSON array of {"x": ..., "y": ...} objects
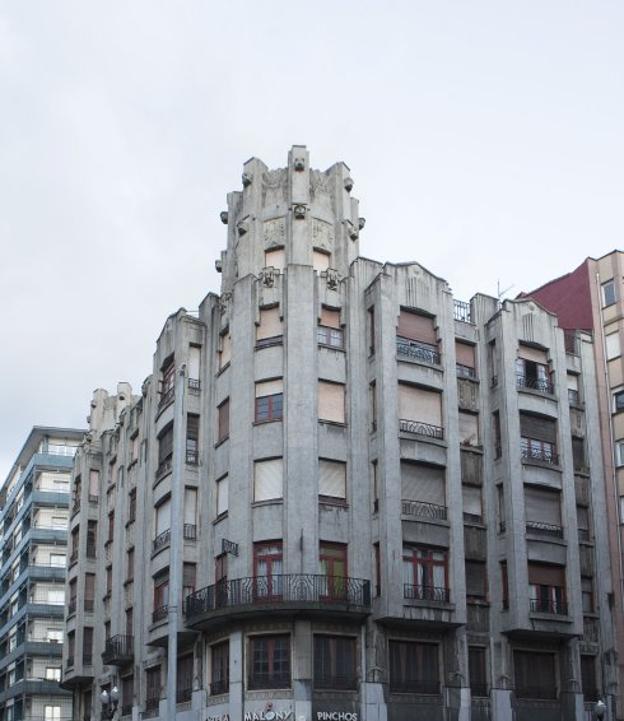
[
  {"x": 268, "y": 680},
  {"x": 219, "y": 687},
  {"x": 419, "y": 428},
  {"x": 461, "y": 311},
  {"x": 418, "y": 351},
  {"x": 542, "y": 605},
  {"x": 192, "y": 457},
  {"x": 281, "y": 590},
  {"x": 190, "y": 532},
  {"x": 183, "y": 695},
  {"x": 536, "y": 384},
  {"x": 423, "y": 509},
  {"x": 436, "y": 594},
  {"x": 160, "y": 613},
  {"x": 161, "y": 540},
  {"x": 544, "y": 529},
  {"x": 194, "y": 384},
  {"x": 465, "y": 371},
  {"x": 166, "y": 397},
  {"x": 118, "y": 649},
  {"x": 544, "y": 453},
  {"x": 164, "y": 467}
]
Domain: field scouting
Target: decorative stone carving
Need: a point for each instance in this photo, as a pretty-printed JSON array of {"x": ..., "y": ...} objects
[
  {"x": 299, "y": 164},
  {"x": 300, "y": 211},
  {"x": 274, "y": 185},
  {"x": 348, "y": 184},
  {"x": 332, "y": 278},
  {"x": 268, "y": 277},
  {"x": 361, "y": 223},
  {"x": 352, "y": 230},
  {"x": 246, "y": 179},
  {"x": 224, "y": 302},
  {"x": 274, "y": 232},
  {"x": 323, "y": 235},
  {"x": 319, "y": 183},
  {"x": 243, "y": 227},
  {"x": 219, "y": 266},
  {"x": 224, "y": 217}
]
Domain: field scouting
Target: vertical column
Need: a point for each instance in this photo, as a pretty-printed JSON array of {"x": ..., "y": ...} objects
[
  {"x": 237, "y": 669},
  {"x": 302, "y": 669}
]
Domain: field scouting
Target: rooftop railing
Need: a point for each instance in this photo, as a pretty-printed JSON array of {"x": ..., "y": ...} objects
[
  {"x": 420, "y": 428},
  {"x": 417, "y": 351}
]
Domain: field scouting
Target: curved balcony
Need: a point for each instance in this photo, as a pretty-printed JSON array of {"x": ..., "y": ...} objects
[
  {"x": 118, "y": 651},
  {"x": 282, "y": 594}
]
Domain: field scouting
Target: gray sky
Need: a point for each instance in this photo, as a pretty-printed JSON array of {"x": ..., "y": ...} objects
[{"x": 485, "y": 140}]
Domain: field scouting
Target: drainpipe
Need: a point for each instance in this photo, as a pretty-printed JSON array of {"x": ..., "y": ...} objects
[{"x": 175, "y": 543}]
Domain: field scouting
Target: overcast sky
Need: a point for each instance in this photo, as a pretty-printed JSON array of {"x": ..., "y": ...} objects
[{"x": 485, "y": 140}]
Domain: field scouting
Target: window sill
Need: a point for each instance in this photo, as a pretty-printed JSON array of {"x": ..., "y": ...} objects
[
  {"x": 222, "y": 370},
  {"x": 268, "y": 502},
  {"x": 133, "y": 463},
  {"x": 222, "y": 441},
  {"x": 269, "y": 420},
  {"x": 332, "y": 347},
  {"x": 334, "y": 502},
  {"x": 220, "y": 518},
  {"x": 336, "y": 424}
]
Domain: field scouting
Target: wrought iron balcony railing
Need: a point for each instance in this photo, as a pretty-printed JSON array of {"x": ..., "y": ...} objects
[
  {"x": 461, "y": 311},
  {"x": 544, "y": 529},
  {"x": 160, "y": 613},
  {"x": 164, "y": 467},
  {"x": 118, "y": 650},
  {"x": 419, "y": 428},
  {"x": 465, "y": 371},
  {"x": 543, "y": 385},
  {"x": 219, "y": 687},
  {"x": 166, "y": 397},
  {"x": 194, "y": 384},
  {"x": 544, "y": 605},
  {"x": 544, "y": 453},
  {"x": 436, "y": 594},
  {"x": 416, "y": 350},
  {"x": 423, "y": 509},
  {"x": 268, "y": 680},
  {"x": 161, "y": 540},
  {"x": 281, "y": 590}
]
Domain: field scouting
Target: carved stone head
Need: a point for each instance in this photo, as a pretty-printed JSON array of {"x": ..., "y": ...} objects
[
  {"x": 348, "y": 184},
  {"x": 246, "y": 178},
  {"x": 299, "y": 211},
  {"x": 299, "y": 164},
  {"x": 224, "y": 217}
]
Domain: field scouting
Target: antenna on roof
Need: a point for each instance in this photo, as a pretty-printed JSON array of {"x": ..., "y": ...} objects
[{"x": 500, "y": 293}]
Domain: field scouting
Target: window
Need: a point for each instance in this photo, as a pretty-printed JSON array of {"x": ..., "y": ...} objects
[
  {"x": 331, "y": 402},
  {"x": 58, "y": 560},
  {"x": 320, "y": 260},
  {"x": 547, "y": 589},
  {"x": 618, "y": 401},
  {"x": 87, "y": 645},
  {"x": 423, "y": 490},
  {"x": 469, "y": 429},
  {"x": 332, "y": 479},
  {"x": 269, "y": 329},
  {"x": 132, "y": 505},
  {"x": 477, "y": 670},
  {"x": 329, "y": 332},
  {"x": 268, "y": 479},
  {"x": 127, "y": 693},
  {"x": 334, "y": 662},
  {"x": 269, "y": 662},
  {"x": 417, "y": 337},
  {"x": 192, "y": 439},
  {"x": 188, "y": 579},
  {"x": 504, "y": 584},
  {"x": 165, "y": 450},
  {"x": 375, "y": 479},
  {"x": 612, "y": 343},
  {"x": 220, "y": 668},
  {"x": 414, "y": 667},
  {"x": 190, "y": 514},
  {"x": 535, "y": 675},
  {"x": 51, "y": 713},
  {"x": 53, "y": 673},
  {"x": 167, "y": 383},
  {"x": 152, "y": 695},
  {"x": 377, "y": 569},
  {"x": 130, "y": 564},
  {"x": 539, "y": 437},
  {"x": 193, "y": 365},
  {"x": 91, "y": 538},
  {"x": 608, "y": 293},
  {"x": 587, "y": 594},
  {"x": 333, "y": 567},
  {"x": 161, "y": 591},
  {"x": 184, "y": 679},
  {"x": 55, "y": 635},
  {"x": 578, "y": 455},
  {"x": 619, "y": 453},
  {"x": 222, "y": 495},
  {"x": 111, "y": 527},
  {"x": 372, "y": 406},
  {"x": 371, "y": 330},
  {"x": 109, "y": 580},
  {"x": 269, "y": 401},
  {"x": 129, "y": 621},
  {"x": 588, "y": 678},
  {"x": 473, "y": 511},
  {"x": 465, "y": 358},
  {"x": 476, "y": 581},
  {"x": 221, "y": 569},
  {"x": 163, "y": 522},
  {"x": 268, "y": 565},
  {"x": 274, "y": 258},
  {"x": 533, "y": 370},
  {"x": 542, "y": 509},
  {"x": 420, "y": 411},
  {"x": 89, "y": 592},
  {"x": 425, "y": 574},
  {"x": 223, "y": 421},
  {"x": 225, "y": 350}
]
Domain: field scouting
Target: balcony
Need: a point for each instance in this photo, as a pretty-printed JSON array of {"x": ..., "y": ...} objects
[
  {"x": 160, "y": 614},
  {"x": 166, "y": 397},
  {"x": 194, "y": 385},
  {"x": 278, "y": 594},
  {"x": 415, "y": 350},
  {"x": 419, "y": 428},
  {"x": 541, "y": 385},
  {"x": 461, "y": 311},
  {"x": 90, "y": 550},
  {"x": 543, "y": 605},
  {"x": 118, "y": 651},
  {"x": 164, "y": 467},
  {"x": 539, "y": 452},
  {"x": 192, "y": 457},
  {"x": 465, "y": 371},
  {"x": 161, "y": 540},
  {"x": 433, "y": 594},
  {"x": 537, "y": 528},
  {"x": 190, "y": 532},
  {"x": 219, "y": 687},
  {"x": 422, "y": 509}
]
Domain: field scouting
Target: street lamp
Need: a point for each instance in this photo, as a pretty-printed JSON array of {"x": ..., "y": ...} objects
[
  {"x": 599, "y": 709},
  {"x": 110, "y": 701}
]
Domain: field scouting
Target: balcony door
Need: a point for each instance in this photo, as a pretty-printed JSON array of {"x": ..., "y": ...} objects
[
  {"x": 333, "y": 564},
  {"x": 425, "y": 573},
  {"x": 268, "y": 568}
]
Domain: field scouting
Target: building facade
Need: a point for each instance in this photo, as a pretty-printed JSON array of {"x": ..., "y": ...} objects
[
  {"x": 34, "y": 513},
  {"x": 591, "y": 298},
  {"x": 342, "y": 494}
]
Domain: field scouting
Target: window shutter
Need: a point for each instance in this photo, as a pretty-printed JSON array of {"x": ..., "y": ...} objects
[
  {"x": 320, "y": 260},
  {"x": 415, "y": 326},
  {"x": 543, "y": 429},
  {"x": 226, "y": 350},
  {"x": 165, "y": 444},
  {"x": 222, "y": 495},
  {"x": 582, "y": 518},
  {"x": 472, "y": 500},
  {"x": 190, "y": 506},
  {"x": 542, "y": 506},
  {"x": 94, "y": 482},
  {"x": 465, "y": 354},
  {"x": 544, "y": 575},
  {"x": 275, "y": 258},
  {"x": 537, "y": 355},
  {"x": 420, "y": 482},
  {"x": 163, "y": 517},
  {"x": 332, "y": 479},
  {"x": 224, "y": 419},
  {"x": 468, "y": 429},
  {"x": 90, "y": 586},
  {"x": 270, "y": 323},
  {"x": 419, "y": 404},
  {"x": 331, "y": 402},
  {"x": 330, "y": 318},
  {"x": 269, "y": 388},
  {"x": 193, "y": 368},
  {"x": 613, "y": 345},
  {"x": 475, "y": 579},
  {"x": 572, "y": 382},
  {"x": 578, "y": 452},
  {"x": 268, "y": 479}
]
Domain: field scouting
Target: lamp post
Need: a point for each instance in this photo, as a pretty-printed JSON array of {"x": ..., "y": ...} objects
[
  {"x": 110, "y": 702},
  {"x": 599, "y": 709}
]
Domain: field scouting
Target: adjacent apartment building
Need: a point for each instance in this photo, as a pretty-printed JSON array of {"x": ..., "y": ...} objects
[
  {"x": 34, "y": 513},
  {"x": 591, "y": 298},
  {"x": 342, "y": 494}
]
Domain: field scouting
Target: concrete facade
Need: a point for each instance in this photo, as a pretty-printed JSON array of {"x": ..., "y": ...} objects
[
  {"x": 342, "y": 494},
  {"x": 34, "y": 513}
]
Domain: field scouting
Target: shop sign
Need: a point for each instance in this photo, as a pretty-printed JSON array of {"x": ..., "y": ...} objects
[
  {"x": 220, "y": 717},
  {"x": 336, "y": 716},
  {"x": 269, "y": 714}
]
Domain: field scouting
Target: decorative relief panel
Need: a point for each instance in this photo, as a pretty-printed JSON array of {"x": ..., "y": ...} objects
[
  {"x": 274, "y": 185},
  {"x": 320, "y": 190},
  {"x": 323, "y": 235},
  {"x": 275, "y": 232}
]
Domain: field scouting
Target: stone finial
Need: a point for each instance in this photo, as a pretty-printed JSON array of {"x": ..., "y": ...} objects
[
  {"x": 300, "y": 211},
  {"x": 361, "y": 223},
  {"x": 246, "y": 179},
  {"x": 299, "y": 164},
  {"x": 348, "y": 184},
  {"x": 224, "y": 217},
  {"x": 219, "y": 266}
]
